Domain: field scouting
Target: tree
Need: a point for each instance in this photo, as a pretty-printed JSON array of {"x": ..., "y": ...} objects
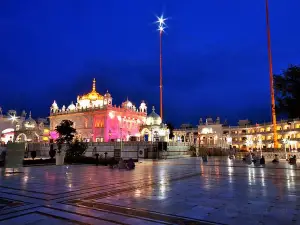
[
  {"x": 171, "y": 128},
  {"x": 287, "y": 89},
  {"x": 66, "y": 133},
  {"x": 76, "y": 148}
]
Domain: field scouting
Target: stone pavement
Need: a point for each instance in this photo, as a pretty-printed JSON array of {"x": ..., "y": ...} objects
[{"x": 181, "y": 191}]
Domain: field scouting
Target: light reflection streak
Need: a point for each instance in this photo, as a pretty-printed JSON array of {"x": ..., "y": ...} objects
[
  {"x": 230, "y": 173},
  {"x": 251, "y": 176},
  {"x": 24, "y": 181},
  {"x": 137, "y": 193},
  {"x": 163, "y": 183},
  {"x": 262, "y": 171},
  {"x": 291, "y": 180}
]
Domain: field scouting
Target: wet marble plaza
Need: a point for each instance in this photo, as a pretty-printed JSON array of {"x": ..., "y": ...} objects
[{"x": 181, "y": 191}]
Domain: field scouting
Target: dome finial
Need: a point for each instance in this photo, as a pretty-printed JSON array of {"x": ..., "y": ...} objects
[
  {"x": 153, "y": 109},
  {"x": 30, "y": 114},
  {"x": 94, "y": 84}
]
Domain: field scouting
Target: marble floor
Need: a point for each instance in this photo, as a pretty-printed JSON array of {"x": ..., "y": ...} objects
[{"x": 179, "y": 191}]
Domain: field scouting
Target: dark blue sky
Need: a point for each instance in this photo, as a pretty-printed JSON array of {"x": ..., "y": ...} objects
[{"x": 215, "y": 54}]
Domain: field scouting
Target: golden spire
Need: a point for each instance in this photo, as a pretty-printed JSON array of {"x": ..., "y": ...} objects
[
  {"x": 94, "y": 85},
  {"x": 93, "y": 95}
]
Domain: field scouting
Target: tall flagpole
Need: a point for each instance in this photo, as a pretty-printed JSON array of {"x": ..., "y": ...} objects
[
  {"x": 275, "y": 137},
  {"x": 161, "y": 28},
  {"x": 160, "y": 75}
]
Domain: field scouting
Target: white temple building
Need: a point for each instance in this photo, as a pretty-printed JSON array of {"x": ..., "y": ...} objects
[{"x": 154, "y": 130}]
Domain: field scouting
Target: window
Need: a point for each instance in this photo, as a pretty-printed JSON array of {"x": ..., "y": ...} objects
[
  {"x": 99, "y": 139},
  {"x": 99, "y": 124}
]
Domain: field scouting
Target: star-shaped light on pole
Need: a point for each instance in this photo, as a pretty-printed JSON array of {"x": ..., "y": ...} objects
[
  {"x": 161, "y": 28},
  {"x": 161, "y": 23},
  {"x": 13, "y": 118}
]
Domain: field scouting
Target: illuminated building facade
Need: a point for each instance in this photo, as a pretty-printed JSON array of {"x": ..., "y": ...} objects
[
  {"x": 18, "y": 128},
  {"x": 244, "y": 136},
  {"x": 97, "y": 120},
  {"x": 30, "y": 130},
  {"x": 154, "y": 130},
  {"x": 7, "y": 125}
]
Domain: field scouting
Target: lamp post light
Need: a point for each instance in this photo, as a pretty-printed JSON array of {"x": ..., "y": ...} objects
[
  {"x": 259, "y": 143},
  {"x": 285, "y": 142},
  {"x": 121, "y": 141},
  {"x": 121, "y": 135}
]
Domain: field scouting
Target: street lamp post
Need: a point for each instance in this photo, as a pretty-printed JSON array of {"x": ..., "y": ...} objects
[
  {"x": 121, "y": 141},
  {"x": 285, "y": 141},
  {"x": 121, "y": 135}
]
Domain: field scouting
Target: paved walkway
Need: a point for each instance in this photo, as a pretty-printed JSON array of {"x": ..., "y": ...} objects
[{"x": 182, "y": 191}]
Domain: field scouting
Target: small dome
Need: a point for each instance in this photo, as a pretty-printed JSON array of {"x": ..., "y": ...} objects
[
  {"x": 29, "y": 124},
  {"x": 54, "y": 105},
  {"x": 107, "y": 94},
  {"x": 127, "y": 104},
  {"x": 71, "y": 107},
  {"x": 153, "y": 118},
  {"x": 143, "y": 107}
]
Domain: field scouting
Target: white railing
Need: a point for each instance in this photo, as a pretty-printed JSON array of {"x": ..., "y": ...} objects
[{"x": 95, "y": 108}]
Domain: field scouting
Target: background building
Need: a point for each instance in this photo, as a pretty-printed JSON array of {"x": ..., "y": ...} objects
[
  {"x": 246, "y": 136},
  {"x": 15, "y": 127}
]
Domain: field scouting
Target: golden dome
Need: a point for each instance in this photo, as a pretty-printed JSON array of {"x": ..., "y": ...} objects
[{"x": 93, "y": 95}]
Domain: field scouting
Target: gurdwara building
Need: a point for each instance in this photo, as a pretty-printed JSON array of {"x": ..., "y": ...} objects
[{"x": 96, "y": 119}]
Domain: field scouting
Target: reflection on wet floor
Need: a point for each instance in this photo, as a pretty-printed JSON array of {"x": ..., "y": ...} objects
[{"x": 184, "y": 190}]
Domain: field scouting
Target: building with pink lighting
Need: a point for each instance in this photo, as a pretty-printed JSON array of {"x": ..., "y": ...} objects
[{"x": 97, "y": 120}]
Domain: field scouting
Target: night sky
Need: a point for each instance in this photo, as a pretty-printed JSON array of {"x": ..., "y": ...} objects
[{"x": 214, "y": 53}]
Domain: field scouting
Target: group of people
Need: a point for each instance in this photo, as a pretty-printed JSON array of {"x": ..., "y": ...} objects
[
  {"x": 252, "y": 158},
  {"x": 291, "y": 159},
  {"x": 256, "y": 159},
  {"x": 122, "y": 164}
]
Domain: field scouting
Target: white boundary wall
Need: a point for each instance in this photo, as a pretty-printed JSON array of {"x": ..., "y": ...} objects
[{"x": 129, "y": 149}]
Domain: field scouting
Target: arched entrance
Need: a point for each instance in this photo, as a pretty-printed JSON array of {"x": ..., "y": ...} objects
[
  {"x": 146, "y": 135},
  {"x": 7, "y": 135}
]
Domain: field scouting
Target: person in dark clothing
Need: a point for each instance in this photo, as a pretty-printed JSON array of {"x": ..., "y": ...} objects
[
  {"x": 113, "y": 163},
  {"x": 276, "y": 159},
  {"x": 130, "y": 164},
  {"x": 262, "y": 160},
  {"x": 293, "y": 160}
]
